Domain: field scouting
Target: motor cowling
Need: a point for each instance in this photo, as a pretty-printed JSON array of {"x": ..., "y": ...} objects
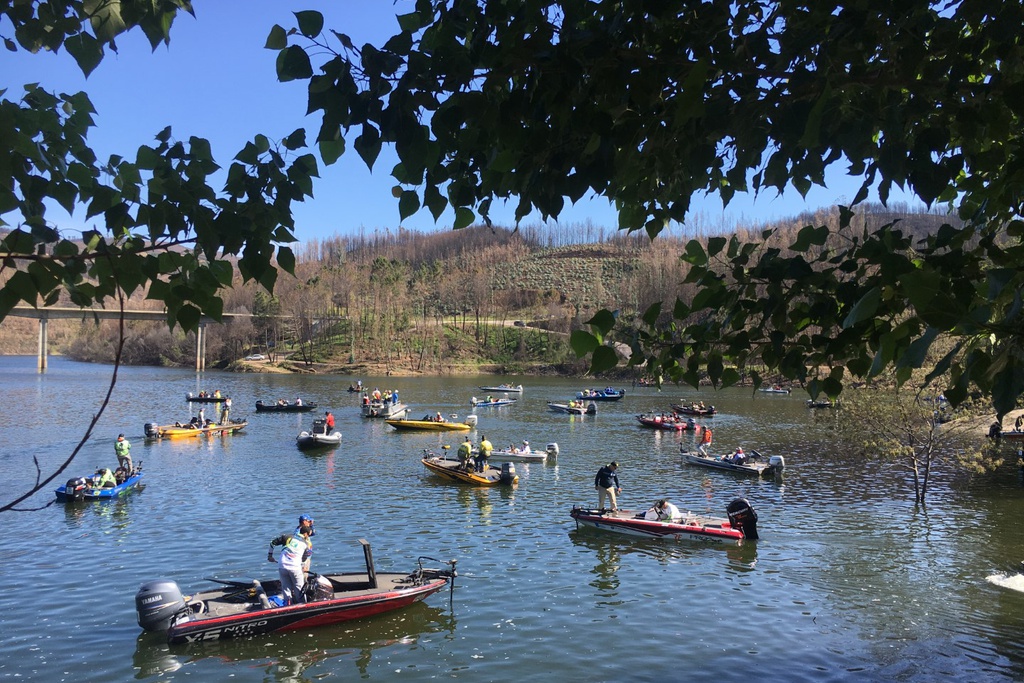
[
  {"x": 75, "y": 488},
  {"x": 508, "y": 472},
  {"x": 156, "y": 603},
  {"x": 152, "y": 429},
  {"x": 471, "y": 420},
  {"x": 552, "y": 449},
  {"x": 743, "y": 517},
  {"x": 777, "y": 463}
]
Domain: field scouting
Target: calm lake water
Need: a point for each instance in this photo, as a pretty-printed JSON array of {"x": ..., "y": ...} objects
[{"x": 849, "y": 581}]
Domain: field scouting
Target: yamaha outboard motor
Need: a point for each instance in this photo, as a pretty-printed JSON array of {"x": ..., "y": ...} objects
[
  {"x": 743, "y": 517},
  {"x": 508, "y": 472},
  {"x": 75, "y": 488},
  {"x": 552, "y": 449},
  {"x": 156, "y": 603},
  {"x": 152, "y": 429}
]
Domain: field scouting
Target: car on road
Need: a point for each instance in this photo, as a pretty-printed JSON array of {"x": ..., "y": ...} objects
[
  {"x": 519, "y": 323},
  {"x": 256, "y": 356}
]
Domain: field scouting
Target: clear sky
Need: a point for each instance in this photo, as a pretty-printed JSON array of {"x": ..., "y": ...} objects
[{"x": 216, "y": 81}]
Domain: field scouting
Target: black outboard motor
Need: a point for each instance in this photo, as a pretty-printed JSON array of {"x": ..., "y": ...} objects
[
  {"x": 75, "y": 488},
  {"x": 156, "y": 603},
  {"x": 508, "y": 472},
  {"x": 152, "y": 429},
  {"x": 743, "y": 517}
]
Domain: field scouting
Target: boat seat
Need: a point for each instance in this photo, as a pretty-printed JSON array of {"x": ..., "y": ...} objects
[{"x": 351, "y": 583}]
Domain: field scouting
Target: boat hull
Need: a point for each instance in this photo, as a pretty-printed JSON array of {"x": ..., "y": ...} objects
[
  {"x": 307, "y": 441},
  {"x": 428, "y": 425},
  {"x": 380, "y": 409},
  {"x": 262, "y": 407},
  {"x": 711, "y": 530},
  {"x": 226, "y": 621},
  {"x": 590, "y": 409},
  {"x": 518, "y": 389},
  {"x": 757, "y": 469},
  {"x": 206, "y": 399},
  {"x": 184, "y": 432},
  {"x": 91, "y": 494},
  {"x": 452, "y": 470}
]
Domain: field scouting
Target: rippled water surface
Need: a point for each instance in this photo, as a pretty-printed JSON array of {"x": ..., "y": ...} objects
[{"x": 849, "y": 581}]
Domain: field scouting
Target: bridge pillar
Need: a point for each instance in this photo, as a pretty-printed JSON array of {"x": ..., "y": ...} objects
[
  {"x": 201, "y": 347},
  {"x": 43, "y": 343}
]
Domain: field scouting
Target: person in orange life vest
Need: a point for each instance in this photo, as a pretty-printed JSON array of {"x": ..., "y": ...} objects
[{"x": 705, "y": 442}]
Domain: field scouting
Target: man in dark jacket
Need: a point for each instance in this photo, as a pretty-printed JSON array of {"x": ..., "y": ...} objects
[{"x": 607, "y": 484}]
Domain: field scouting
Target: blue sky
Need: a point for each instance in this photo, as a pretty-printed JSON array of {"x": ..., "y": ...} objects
[{"x": 216, "y": 81}]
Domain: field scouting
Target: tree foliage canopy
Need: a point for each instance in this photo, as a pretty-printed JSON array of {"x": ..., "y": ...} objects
[
  {"x": 159, "y": 224},
  {"x": 547, "y": 101},
  {"x": 648, "y": 103}
]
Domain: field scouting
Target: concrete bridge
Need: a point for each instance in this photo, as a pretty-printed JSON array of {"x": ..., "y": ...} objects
[{"x": 44, "y": 315}]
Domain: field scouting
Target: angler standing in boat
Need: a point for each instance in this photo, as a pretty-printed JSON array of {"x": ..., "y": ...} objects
[
  {"x": 294, "y": 560},
  {"x": 607, "y": 484},
  {"x": 122, "y": 448},
  {"x": 329, "y": 421},
  {"x": 485, "y": 452}
]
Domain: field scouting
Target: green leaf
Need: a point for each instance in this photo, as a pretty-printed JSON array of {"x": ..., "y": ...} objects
[
  {"x": 311, "y": 23},
  {"x": 88, "y": 53},
  {"x": 277, "y": 40},
  {"x": 603, "y": 320},
  {"x": 463, "y": 218},
  {"x": 331, "y": 150},
  {"x": 604, "y": 359},
  {"x": 582, "y": 342},
  {"x": 864, "y": 309},
  {"x": 408, "y": 204},
  {"x": 293, "y": 64},
  {"x": 286, "y": 259}
]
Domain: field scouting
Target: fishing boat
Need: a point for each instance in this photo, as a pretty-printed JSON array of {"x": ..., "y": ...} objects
[
  {"x": 524, "y": 454},
  {"x": 573, "y": 408},
  {"x": 491, "y": 402},
  {"x": 433, "y": 425},
  {"x": 242, "y": 609},
  {"x": 606, "y": 394},
  {"x": 695, "y": 410},
  {"x": 82, "y": 488},
  {"x": 179, "y": 430},
  {"x": 378, "y": 408},
  {"x": 317, "y": 437},
  {"x": 205, "y": 397},
  {"x": 454, "y": 470},
  {"x": 739, "y": 525},
  {"x": 821, "y": 403},
  {"x": 510, "y": 388},
  {"x": 756, "y": 464},
  {"x": 669, "y": 423},
  {"x": 284, "y": 407},
  {"x": 774, "y": 389}
]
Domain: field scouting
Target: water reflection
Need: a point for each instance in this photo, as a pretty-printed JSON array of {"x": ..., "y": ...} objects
[
  {"x": 297, "y": 657},
  {"x": 77, "y": 513}
]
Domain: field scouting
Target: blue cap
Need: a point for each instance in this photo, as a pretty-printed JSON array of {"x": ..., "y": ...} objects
[{"x": 305, "y": 518}]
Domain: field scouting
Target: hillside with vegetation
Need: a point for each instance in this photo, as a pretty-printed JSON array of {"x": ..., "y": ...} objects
[{"x": 474, "y": 300}]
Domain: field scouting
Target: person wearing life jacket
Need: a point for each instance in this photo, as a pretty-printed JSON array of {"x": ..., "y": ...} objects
[
  {"x": 739, "y": 457},
  {"x": 293, "y": 562},
  {"x": 465, "y": 451},
  {"x": 122, "y": 448},
  {"x": 705, "y": 442},
  {"x": 104, "y": 478}
]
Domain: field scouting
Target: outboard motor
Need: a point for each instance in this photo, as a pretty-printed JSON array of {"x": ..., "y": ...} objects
[
  {"x": 591, "y": 408},
  {"x": 552, "y": 449},
  {"x": 508, "y": 472},
  {"x": 743, "y": 517},
  {"x": 156, "y": 604},
  {"x": 777, "y": 463},
  {"x": 471, "y": 420},
  {"x": 75, "y": 488},
  {"x": 319, "y": 426},
  {"x": 152, "y": 429}
]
